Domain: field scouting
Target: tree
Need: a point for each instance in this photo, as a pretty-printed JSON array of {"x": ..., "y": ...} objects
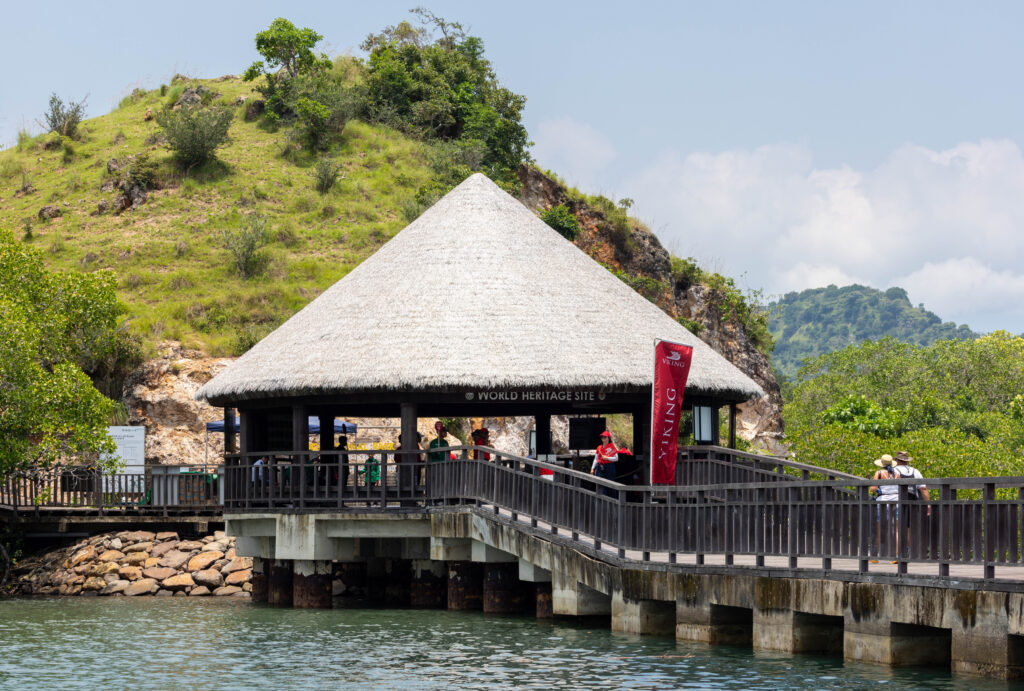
[
  {"x": 54, "y": 322},
  {"x": 288, "y": 50},
  {"x": 63, "y": 118}
]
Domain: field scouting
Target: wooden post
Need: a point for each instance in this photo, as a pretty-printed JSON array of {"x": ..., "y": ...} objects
[
  {"x": 229, "y": 430},
  {"x": 542, "y": 423},
  {"x": 642, "y": 441},
  {"x": 732, "y": 425},
  {"x": 300, "y": 444},
  {"x": 326, "y": 419},
  {"x": 407, "y": 461}
]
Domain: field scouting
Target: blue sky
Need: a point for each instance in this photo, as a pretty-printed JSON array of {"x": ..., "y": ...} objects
[{"x": 788, "y": 144}]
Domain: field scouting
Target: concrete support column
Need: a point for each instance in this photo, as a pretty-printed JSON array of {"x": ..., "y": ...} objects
[
  {"x": 311, "y": 584},
  {"x": 260, "y": 573},
  {"x": 796, "y": 632},
  {"x": 279, "y": 583},
  {"x": 707, "y": 623},
  {"x": 428, "y": 588},
  {"x": 643, "y": 617},
  {"x": 573, "y": 599},
  {"x": 897, "y": 645},
  {"x": 351, "y": 577},
  {"x": 995, "y": 656},
  {"x": 465, "y": 585},
  {"x": 397, "y": 580},
  {"x": 544, "y": 608},
  {"x": 502, "y": 592}
]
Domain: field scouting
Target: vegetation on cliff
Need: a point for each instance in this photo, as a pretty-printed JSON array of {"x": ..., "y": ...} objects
[
  {"x": 955, "y": 406},
  {"x": 821, "y": 320}
]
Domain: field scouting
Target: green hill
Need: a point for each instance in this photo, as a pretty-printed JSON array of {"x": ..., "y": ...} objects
[{"x": 822, "y": 320}]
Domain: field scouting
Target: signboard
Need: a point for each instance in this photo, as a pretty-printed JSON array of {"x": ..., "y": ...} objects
[
  {"x": 671, "y": 369},
  {"x": 131, "y": 448}
]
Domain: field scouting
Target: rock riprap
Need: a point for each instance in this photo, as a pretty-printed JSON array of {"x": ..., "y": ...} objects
[{"x": 136, "y": 563}]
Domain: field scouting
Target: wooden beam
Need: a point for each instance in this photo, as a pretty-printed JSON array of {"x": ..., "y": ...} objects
[{"x": 732, "y": 425}]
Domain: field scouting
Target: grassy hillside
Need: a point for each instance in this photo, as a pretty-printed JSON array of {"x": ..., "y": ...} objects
[
  {"x": 173, "y": 271},
  {"x": 823, "y": 320}
]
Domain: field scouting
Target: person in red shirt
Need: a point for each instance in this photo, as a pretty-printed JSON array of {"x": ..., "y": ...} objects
[
  {"x": 604, "y": 461},
  {"x": 481, "y": 437}
]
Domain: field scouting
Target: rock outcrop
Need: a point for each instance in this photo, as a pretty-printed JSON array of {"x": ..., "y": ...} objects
[{"x": 92, "y": 567}]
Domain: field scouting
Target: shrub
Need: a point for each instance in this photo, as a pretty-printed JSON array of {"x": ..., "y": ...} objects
[
  {"x": 245, "y": 243},
  {"x": 63, "y": 118},
  {"x": 141, "y": 172},
  {"x": 561, "y": 219},
  {"x": 325, "y": 174},
  {"x": 67, "y": 150},
  {"x": 24, "y": 139},
  {"x": 686, "y": 272},
  {"x": 194, "y": 134},
  {"x": 691, "y": 325}
]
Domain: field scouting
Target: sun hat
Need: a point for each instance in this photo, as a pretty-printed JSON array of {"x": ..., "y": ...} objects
[
  {"x": 885, "y": 460},
  {"x": 606, "y": 434},
  {"x": 903, "y": 456}
]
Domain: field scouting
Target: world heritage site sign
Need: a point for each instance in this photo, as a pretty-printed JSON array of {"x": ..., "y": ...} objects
[{"x": 671, "y": 369}]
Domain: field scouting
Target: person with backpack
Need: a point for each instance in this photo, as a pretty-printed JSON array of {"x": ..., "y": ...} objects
[{"x": 897, "y": 468}]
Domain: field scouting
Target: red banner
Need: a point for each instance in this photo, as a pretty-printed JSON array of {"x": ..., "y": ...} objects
[{"x": 671, "y": 368}]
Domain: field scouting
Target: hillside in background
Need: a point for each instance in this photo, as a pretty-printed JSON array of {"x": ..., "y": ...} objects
[{"x": 822, "y": 320}]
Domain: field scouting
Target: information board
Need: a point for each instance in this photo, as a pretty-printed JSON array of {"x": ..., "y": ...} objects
[{"x": 131, "y": 448}]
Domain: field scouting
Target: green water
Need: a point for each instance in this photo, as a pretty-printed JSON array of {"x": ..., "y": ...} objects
[{"x": 158, "y": 643}]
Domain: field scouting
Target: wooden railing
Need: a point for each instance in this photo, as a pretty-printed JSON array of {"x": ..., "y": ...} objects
[
  {"x": 81, "y": 489},
  {"x": 977, "y": 521}
]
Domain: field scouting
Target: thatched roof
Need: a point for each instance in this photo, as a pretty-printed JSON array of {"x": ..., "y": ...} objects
[{"x": 476, "y": 292}]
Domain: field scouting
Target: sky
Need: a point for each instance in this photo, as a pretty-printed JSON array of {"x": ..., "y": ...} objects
[{"x": 789, "y": 145}]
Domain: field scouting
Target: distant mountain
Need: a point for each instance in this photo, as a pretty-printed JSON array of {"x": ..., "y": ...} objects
[{"x": 820, "y": 320}]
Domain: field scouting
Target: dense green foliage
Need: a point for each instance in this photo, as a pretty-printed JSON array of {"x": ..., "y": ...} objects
[
  {"x": 821, "y": 320},
  {"x": 445, "y": 89},
  {"x": 245, "y": 243},
  {"x": 561, "y": 219},
  {"x": 195, "y": 133},
  {"x": 955, "y": 406},
  {"x": 55, "y": 323}
]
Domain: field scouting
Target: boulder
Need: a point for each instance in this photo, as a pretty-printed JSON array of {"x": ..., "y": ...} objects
[
  {"x": 49, "y": 211},
  {"x": 109, "y": 578},
  {"x": 130, "y": 573},
  {"x": 115, "y": 543},
  {"x": 220, "y": 535},
  {"x": 143, "y": 586},
  {"x": 164, "y": 593},
  {"x": 117, "y": 586},
  {"x": 87, "y": 552},
  {"x": 94, "y": 583},
  {"x": 159, "y": 572},
  {"x": 107, "y": 186},
  {"x": 203, "y": 560},
  {"x": 174, "y": 559},
  {"x": 237, "y": 564},
  {"x": 139, "y": 547},
  {"x": 170, "y": 535},
  {"x": 181, "y": 593},
  {"x": 216, "y": 546},
  {"x": 238, "y": 577},
  {"x": 102, "y": 207},
  {"x": 138, "y": 536},
  {"x": 135, "y": 558},
  {"x": 104, "y": 568},
  {"x": 163, "y": 548},
  {"x": 111, "y": 555},
  {"x": 113, "y": 165},
  {"x": 179, "y": 582},
  {"x": 152, "y": 561},
  {"x": 199, "y": 590},
  {"x": 83, "y": 568},
  {"x": 208, "y": 577},
  {"x": 230, "y": 554},
  {"x": 189, "y": 545},
  {"x": 227, "y": 590}
]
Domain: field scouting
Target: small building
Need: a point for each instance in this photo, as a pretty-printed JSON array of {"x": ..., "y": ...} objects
[{"x": 476, "y": 308}]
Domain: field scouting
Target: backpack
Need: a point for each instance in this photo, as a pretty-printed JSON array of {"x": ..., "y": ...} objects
[{"x": 913, "y": 493}]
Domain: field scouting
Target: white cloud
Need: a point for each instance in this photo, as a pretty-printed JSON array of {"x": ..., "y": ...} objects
[
  {"x": 575, "y": 149},
  {"x": 946, "y": 225}
]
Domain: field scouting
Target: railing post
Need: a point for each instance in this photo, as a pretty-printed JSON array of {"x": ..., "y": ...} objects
[
  {"x": 942, "y": 520},
  {"x": 864, "y": 508},
  {"x": 621, "y": 539},
  {"x": 759, "y": 546},
  {"x": 988, "y": 507},
  {"x": 902, "y": 529},
  {"x": 670, "y": 510},
  {"x": 729, "y": 529},
  {"x": 699, "y": 520},
  {"x": 791, "y": 540}
]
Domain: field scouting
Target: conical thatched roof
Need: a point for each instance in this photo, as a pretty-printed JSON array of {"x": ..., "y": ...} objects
[{"x": 476, "y": 292}]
